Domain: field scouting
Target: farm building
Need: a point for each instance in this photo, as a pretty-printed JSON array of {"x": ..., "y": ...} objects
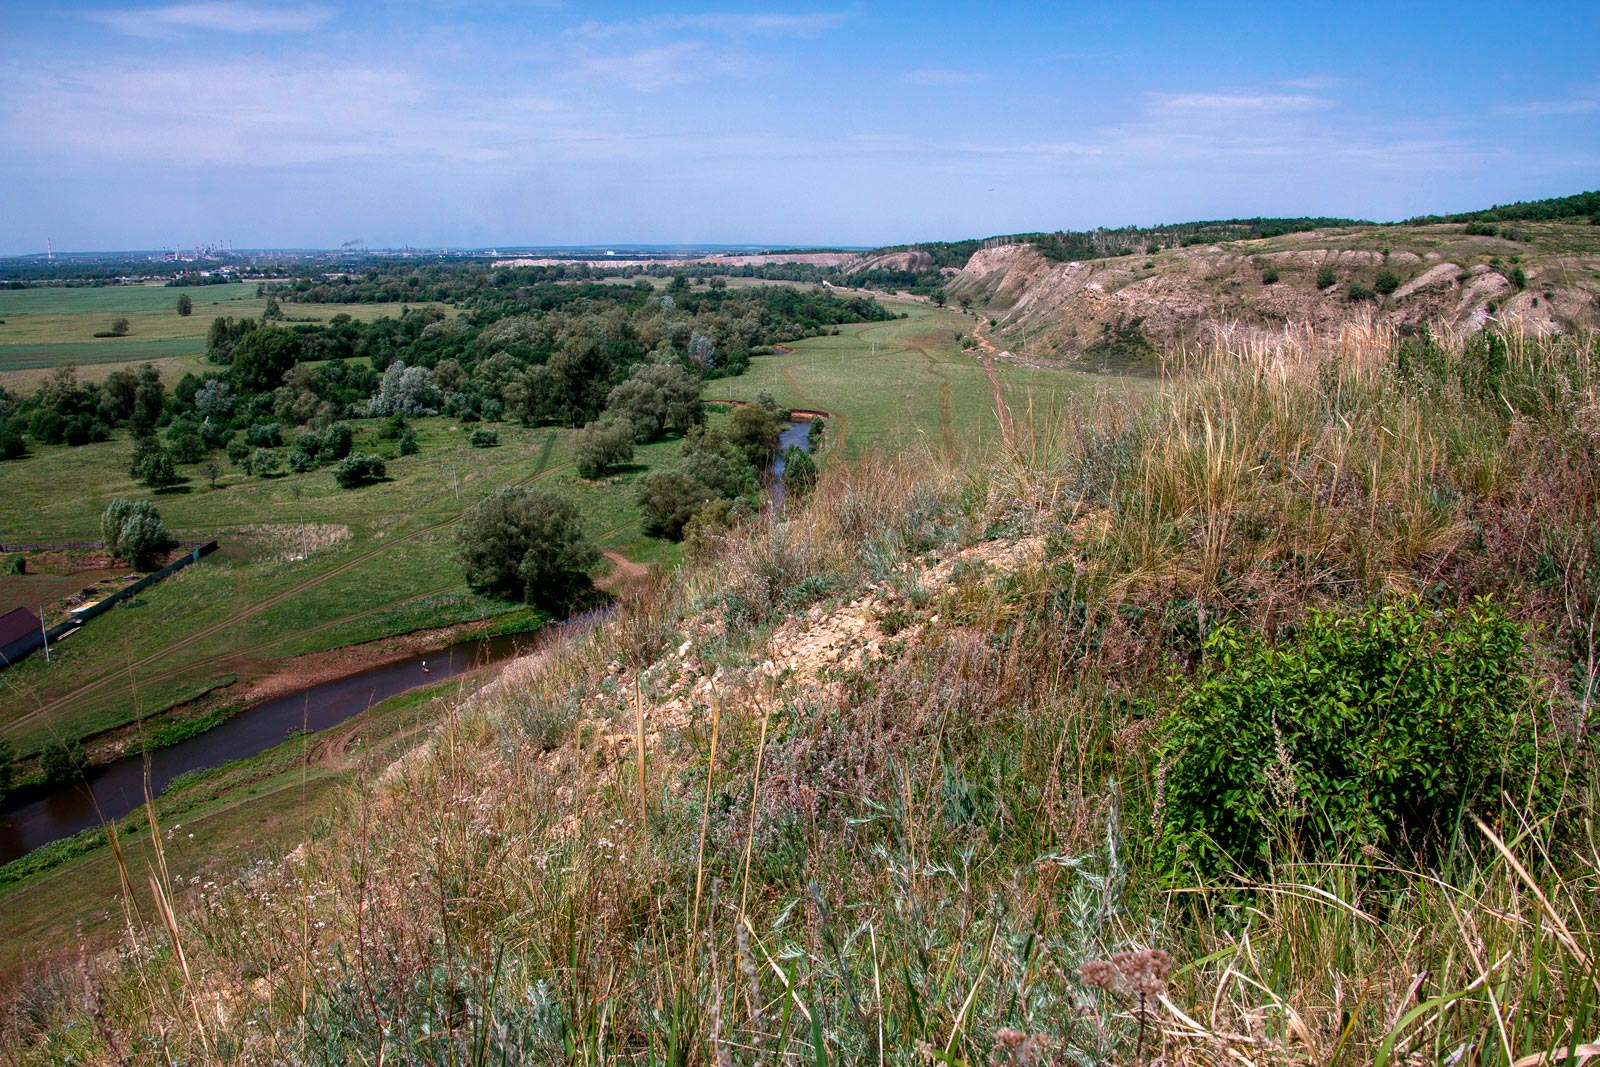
[{"x": 19, "y": 634}]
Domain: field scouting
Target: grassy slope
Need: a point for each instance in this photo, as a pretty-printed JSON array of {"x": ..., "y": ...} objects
[
  {"x": 403, "y": 577},
  {"x": 214, "y": 826},
  {"x": 905, "y": 383},
  {"x": 904, "y": 819}
]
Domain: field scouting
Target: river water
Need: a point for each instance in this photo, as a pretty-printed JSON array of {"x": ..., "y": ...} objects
[
  {"x": 112, "y": 791},
  {"x": 116, "y": 789}
]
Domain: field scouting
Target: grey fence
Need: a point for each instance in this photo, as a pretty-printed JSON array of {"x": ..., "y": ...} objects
[{"x": 78, "y": 616}]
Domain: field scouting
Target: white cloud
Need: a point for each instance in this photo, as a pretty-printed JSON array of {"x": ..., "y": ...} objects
[
  {"x": 1314, "y": 83},
  {"x": 1539, "y": 109},
  {"x": 658, "y": 67},
  {"x": 940, "y": 76},
  {"x": 771, "y": 24},
  {"x": 226, "y": 16},
  {"x": 1260, "y": 103}
]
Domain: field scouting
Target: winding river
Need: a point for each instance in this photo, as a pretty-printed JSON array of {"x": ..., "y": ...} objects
[{"x": 115, "y": 790}]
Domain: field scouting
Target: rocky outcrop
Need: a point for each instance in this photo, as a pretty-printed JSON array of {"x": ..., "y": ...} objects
[{"x": 1049, "y": 310}]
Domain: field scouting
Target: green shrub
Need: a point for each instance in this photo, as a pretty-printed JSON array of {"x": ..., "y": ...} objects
[
  {"x": 356, "y": 469},
  {"x": 1518, "y": 277},
  {"x": 264, "y": 435},
  {"x": 483, "y": 437},
  {"x": 336, "y": 442},
  {"x": 1386, "y": 282},
  {"x": 264, "y": 462},
  {"x": 135, "y": 532},
  {"x": 1360, "y": 291},
  {"x": 1478, "y": 229},
  {"x": 408, "y": 442},
  {"x": 1270, "y": 276},
  {"x": 527, "y": 544},
  {"x": 669, "y": 499},
  {"x": 1370, "y": 730},
  {"x": 1326, "y": 278},
  {"x": 601, "y": 445}
]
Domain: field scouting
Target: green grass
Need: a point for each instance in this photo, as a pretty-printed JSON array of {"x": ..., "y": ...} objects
[
  {"x": 215, "y": 821},
  {"x": 399, "y": 572},
  {"x": 47, "y": 328},
  {"x": 905, "y": 382}
]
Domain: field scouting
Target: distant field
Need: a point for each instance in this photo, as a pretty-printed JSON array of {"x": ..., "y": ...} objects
[
  {"x": 907, "y": 381},
  {"x": 47, "y": 328}
]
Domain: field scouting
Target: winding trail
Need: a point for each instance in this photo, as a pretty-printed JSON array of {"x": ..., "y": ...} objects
[{"x": 1001, "y": 409}]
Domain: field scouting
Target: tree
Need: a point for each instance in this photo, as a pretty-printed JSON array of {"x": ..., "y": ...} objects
[
  {"x": 263, "y": 357},
  {"x": 657, "y": 397},
  {"x": 135, "y": 532},
  {"x": 526, "y": 544},
  {"x": 272, "y": 310},
  {"x": 357, "y": 469},
  {"x": 799, "y": 472},
  {"x": 405, "y": 391},
  {"x": 148, "y": 397},
  {"x": 264, "y": 462},
  {"x": 158, "y": 471},
  {"x": 669, "y": 499},
  {"x": 754, "y": 431},
  {"x": 212, "y": 469},
  {"x": 119, "y": 326},
  {"x": 185, "y": 305},
  {"x": 214, "y": 400},
  {"x": 717, "y": 463},
  {"x": 601, "y": 445},
  {"x": 63, "y": 761}
]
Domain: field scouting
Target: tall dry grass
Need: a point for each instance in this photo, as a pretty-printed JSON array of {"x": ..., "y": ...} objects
[{"x": 659, "y": 848}]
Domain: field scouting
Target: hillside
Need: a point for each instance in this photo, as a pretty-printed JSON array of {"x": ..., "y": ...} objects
[
  {"x": 1546, "y": 279},
  {"x": 1247, "y": 723}
]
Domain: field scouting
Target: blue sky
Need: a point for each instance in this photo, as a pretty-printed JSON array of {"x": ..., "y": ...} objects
[{"x": 477, "y": 124}]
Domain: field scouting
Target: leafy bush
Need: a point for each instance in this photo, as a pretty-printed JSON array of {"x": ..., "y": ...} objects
[
  {"x": 1386, "y": 282},
  {"x": 264, "y": 462},
  {"x": 527, "y": 544},
  {"x": 483, "y": 437},
  {"x": 357, "y": 469},
  {"x": 1478, "y": 229},
  {"x": 1270, "y": 276},
  {"x": 1326, "y": 278},
  {"x": 408, "y": 443},
  {"x": 799, "y": 471},
  {"x": 63, "y": 761},
  {"x": 602, "y": 445},
  {"x": 1518, "y": 277},
  {"x": 135, "y": 532},
  {"x": 669, "y": 499},
  {"x": 336, "y": 442},
  {"x": 264, "y": 435},
  {"x": 1360, "y": 291},
  {"x": 1371, "y": 730},
  {"x": 184, "y": 442}
]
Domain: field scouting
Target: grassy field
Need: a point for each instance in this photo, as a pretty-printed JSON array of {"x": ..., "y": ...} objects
[
  {"x": 47, "y": 328},
  {"x": 381, "y": 563},
  {"x": 908, "y": 381}
]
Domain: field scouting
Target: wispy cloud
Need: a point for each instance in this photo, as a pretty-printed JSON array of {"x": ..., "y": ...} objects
[
  {"x": 226, "y": 16},
  {"x": 941, "y": 76},
  {"x": 811, "y": 24},
  {"x": 1259, "y": 103},
  {"x": 659, "y": 67},
  {"x": 1539, "y": 109},
  {"x": 1316, "y": 83}
]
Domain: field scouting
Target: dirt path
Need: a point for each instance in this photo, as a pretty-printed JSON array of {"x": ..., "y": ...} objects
[
  {"x": 125, "y": 671},
  {"x": 1001, "y": 409},
  {"x": 625, "y": 566},
  {"x": 947, "y": 434}
]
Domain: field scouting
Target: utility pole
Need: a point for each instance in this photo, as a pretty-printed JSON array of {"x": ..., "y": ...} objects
[{"x": 46, "y": 632}]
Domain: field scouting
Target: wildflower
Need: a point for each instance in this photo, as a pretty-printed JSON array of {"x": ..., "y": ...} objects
[
  {"x": 1146, "y": 971},
  {"x": 1098, "y": 974},
  {"x": 1013, "y": 1048}
]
